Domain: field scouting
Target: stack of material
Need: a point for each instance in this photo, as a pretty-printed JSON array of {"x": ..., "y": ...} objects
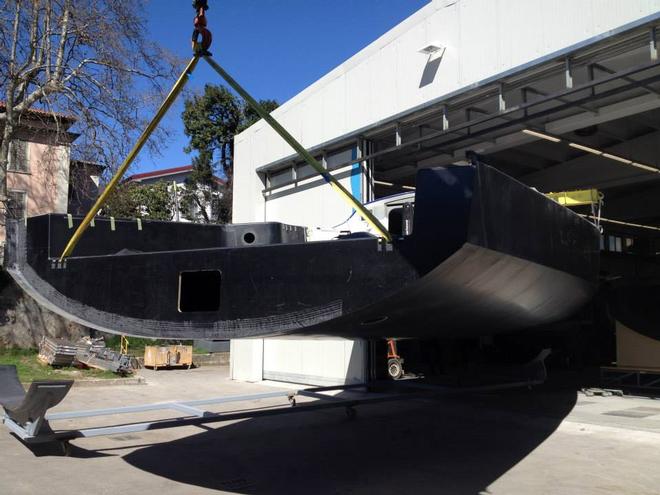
[
  {"x": 57, "y": 352},
  {"x": 93, "y": 354},
  {"x": 107, "y": 359},
  {"x": 88, "y": 344}
]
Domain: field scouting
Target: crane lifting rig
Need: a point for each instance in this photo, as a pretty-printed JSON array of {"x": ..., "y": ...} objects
[{"x": 201, "y": 42}]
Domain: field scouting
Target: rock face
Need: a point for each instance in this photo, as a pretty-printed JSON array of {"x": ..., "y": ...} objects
[{"x": 23, "y": 322}]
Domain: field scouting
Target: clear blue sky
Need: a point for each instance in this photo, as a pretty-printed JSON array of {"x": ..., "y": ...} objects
[{"x": 274, "y": 48}]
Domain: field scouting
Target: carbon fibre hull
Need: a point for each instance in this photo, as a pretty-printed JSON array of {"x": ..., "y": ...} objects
[{"x": 486, "y": 255}]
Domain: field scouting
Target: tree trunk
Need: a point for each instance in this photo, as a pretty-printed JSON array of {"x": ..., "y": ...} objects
[{"x": 4, "y": 161}]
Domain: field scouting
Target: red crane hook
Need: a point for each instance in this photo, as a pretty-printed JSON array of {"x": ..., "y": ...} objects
[{"x": 201, "y": 37}]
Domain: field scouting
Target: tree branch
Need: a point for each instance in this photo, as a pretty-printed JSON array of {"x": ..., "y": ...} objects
[
  {"x": 34, "y": 31},
  {"x": 47, "y": 33},
  {"x": 64, "y": 34},
  {"x": 14, "y": 43}
]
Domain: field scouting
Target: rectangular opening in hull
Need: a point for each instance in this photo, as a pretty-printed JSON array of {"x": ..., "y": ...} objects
[{"x": 199, "y": 291}]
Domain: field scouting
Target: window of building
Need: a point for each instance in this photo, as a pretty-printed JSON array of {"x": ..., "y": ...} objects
[
  {"x": 339, "y": 158},
  {"x": 18, "y": 156},
  {"x": 629, "y": 244},
  {"x": 281, "y": 177},
  {"x": 616, "y": 244},
  {"x": 302, "y": 170},
  {"x": 611, "y": 243},
  {"x": 305, "y": 170},
  {"x": 17, "y": 204}
]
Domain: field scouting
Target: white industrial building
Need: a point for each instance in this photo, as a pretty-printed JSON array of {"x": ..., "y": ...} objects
[{"x": 459, "y": 75}]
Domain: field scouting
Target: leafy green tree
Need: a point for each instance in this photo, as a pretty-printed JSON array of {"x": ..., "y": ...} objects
[
  {"x": 202, "y": 200},
  {"x": 250, "y": 116},
  {"x": 135, "y": 200},
  {"x": 211, "y": 120}
]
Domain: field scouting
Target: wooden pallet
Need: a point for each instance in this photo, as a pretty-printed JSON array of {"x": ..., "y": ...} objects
[{"x": 168, "y": 356}]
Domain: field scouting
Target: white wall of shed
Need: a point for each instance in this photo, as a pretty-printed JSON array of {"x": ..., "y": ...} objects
[
  {"x": 309, "y": 361},
  {"x": 319, "y": 362},
  {"x": 311, "y": 207},
  {"x": 483, "y": 38},
  {"x": 246, "y": 359}
]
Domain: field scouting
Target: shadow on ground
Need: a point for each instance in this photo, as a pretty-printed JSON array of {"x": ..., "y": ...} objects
[
  {"x": 56, "y": 449},
  {"x": 455, "y": 444}
]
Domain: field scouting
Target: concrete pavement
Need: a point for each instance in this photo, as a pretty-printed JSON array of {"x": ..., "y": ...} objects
[{"x": 517, "y": 442}]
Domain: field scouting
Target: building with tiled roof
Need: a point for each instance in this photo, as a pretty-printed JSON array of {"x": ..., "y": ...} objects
[
  {"x": 176, "y": 178},
  {"x": 41, "y": 177}
]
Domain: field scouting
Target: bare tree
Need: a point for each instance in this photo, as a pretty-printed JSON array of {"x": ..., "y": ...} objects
[{"x": 88, "y": 58}]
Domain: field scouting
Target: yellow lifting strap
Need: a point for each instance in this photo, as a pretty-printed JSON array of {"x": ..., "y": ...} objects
[
  {"x": 176, "y": 90},
  {"x": 576, "y": 198},
  {"x": 299, "y": 148}
]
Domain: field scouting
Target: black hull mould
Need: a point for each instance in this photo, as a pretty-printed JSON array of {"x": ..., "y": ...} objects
[{"x": 486, "y": 255}]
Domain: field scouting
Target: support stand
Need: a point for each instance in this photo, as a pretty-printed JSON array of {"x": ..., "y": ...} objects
[{"x": 394, "y": 361}]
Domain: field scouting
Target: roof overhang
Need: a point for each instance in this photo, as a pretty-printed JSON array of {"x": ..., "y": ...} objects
[{"x": 545, "y": 93}]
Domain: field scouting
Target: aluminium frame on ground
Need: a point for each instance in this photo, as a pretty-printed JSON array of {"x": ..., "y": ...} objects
[
  {"x": 38, "y": 430},
  {"x": 33, "y": 433}
]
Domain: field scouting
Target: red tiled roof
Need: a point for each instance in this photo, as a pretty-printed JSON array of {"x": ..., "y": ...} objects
[
  {"x": 164, "y": 172},
  {"x": 159, "y": 173},
  {"x": 44, "y": 113}
]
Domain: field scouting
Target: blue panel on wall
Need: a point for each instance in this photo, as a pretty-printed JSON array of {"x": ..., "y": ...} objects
[{"x": 356, "y": 181}]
